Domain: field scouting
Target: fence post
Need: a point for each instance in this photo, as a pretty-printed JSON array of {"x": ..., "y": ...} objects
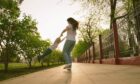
[
  {"x": 89, "y": 55},
  {"x": 84, "y": 57},
  {"x": 77, "y": 59},
  {"x": 101, "y": 49},
  {"x": 116, "y": 43},
  {"x": 93, "y": 52}
]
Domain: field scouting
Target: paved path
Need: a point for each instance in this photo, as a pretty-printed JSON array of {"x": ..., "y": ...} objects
[{"x": 82, "y": 74}]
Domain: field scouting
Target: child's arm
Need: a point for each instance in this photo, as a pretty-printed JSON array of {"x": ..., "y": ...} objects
[{"x": 57, "y": 40}]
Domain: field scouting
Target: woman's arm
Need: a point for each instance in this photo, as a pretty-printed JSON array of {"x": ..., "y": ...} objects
[
  {"x": 63, "y": 39},
  {"x": 64, "y": 31}
]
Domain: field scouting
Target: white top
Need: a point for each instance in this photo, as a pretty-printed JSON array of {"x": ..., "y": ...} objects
[
  {"x": 71, "y": 34},
  {"x": 54, "y": 46}
]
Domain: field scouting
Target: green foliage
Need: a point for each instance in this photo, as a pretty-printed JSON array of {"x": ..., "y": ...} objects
[
  {"x": 89, "y": 30},
  {"x": 55, "y": 57},
  {"x": 125, "y": 13},
  {"x": 19, "y": 69},
  {"x": 9, "y": 13},
  {"x": 79, "y": 48},
  {"x": 125, "y": 50},
  {"x": 18, "y": 37},
  {"x": 105, "y": 32}
]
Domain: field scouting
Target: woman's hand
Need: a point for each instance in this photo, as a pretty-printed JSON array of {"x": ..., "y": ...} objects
[{"x": 61, "y": 34}]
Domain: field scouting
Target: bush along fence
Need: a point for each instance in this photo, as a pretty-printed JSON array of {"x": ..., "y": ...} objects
[{"x": 121, "y": 45}]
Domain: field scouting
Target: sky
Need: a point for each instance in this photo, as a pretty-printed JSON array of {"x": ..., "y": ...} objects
[{"x": 51, "y": 15}]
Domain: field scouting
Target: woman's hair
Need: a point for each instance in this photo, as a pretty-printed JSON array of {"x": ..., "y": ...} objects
[{"x": 73, "y": 22}]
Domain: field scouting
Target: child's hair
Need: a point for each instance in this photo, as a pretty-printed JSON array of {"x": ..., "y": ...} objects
[{"x": 73, "y": 22}]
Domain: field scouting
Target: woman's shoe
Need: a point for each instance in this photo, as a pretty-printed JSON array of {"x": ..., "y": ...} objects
[{"x": 68, "y": 66}]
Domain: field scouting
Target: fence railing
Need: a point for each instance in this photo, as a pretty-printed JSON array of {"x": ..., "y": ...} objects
[{"x": 121, "y": 41}]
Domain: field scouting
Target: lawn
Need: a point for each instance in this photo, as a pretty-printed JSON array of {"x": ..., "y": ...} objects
[{"x": 18, "y": 69}]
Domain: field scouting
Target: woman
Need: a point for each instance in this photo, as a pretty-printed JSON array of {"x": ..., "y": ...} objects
[{"x": 70, "y": 40}]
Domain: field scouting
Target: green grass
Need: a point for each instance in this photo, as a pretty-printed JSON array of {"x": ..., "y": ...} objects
[{"x": 18, "y": 69}]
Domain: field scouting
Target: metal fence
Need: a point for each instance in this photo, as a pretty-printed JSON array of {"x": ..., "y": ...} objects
[{"x": 120, "y": 41}]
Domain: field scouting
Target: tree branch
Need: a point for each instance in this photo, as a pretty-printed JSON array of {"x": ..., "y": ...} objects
[{"x": 119, "y": 17}]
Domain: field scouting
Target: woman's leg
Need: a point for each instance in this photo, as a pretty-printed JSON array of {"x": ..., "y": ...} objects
[
  {"x": 70, "y": 49},
  {"x": 67, "y": 50}
]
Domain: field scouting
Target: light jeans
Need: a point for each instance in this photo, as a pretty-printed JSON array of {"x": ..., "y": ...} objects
[{"x": 68, "y": 46}]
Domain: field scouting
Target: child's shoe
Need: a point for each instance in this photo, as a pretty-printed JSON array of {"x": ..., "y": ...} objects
[{"x": 35, "y": 59}]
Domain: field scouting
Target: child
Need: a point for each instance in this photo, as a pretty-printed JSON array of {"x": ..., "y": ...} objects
[{"x": 48, "y": 50}]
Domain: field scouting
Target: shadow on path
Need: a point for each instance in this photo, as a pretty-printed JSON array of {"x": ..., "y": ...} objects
[{"x": 68, "y": 77}]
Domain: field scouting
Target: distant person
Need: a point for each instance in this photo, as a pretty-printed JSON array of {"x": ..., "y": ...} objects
[
  {"x": 48, "y": 50},
  {"x": 70, "y": 41}
]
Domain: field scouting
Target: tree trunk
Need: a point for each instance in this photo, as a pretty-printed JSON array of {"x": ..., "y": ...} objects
[
  {"x": 137, "y": 21},
  {"x": 6, "y": 58},
  {"x": 93, "y": 52},
  {"x": 42, "y": 64},
  {"x": 6, "y": 63},
  {"x": 30, "y": 63},
  {"x": 130, "y": 39},
  {"x": 112, "y": 8},
  {"x": 48, "y": 63},
  {"x": 58, "y": 61}
]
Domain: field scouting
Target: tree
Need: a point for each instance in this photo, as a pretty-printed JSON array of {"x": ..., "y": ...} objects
[
  {"x": 8, "y": 21},
  {"x": 28, "y": 39},
  {"x": 131, "y": 29},
  {"x": 89, "y": 30},
  {"x": 137, "y": 20},
  {"x": 101, "y": 7},
  {"x": 18, "y": 37},
  {"x": 79, "y": 48}
]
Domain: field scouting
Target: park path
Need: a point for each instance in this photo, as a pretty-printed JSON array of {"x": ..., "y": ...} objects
[{"x": 82, "y": 74}]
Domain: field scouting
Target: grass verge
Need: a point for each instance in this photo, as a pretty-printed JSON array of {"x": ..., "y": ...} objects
[{"x": 18, "y": 69}]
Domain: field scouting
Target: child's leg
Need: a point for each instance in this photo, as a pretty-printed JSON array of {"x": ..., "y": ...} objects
[{"x": 45, "y": 53}]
